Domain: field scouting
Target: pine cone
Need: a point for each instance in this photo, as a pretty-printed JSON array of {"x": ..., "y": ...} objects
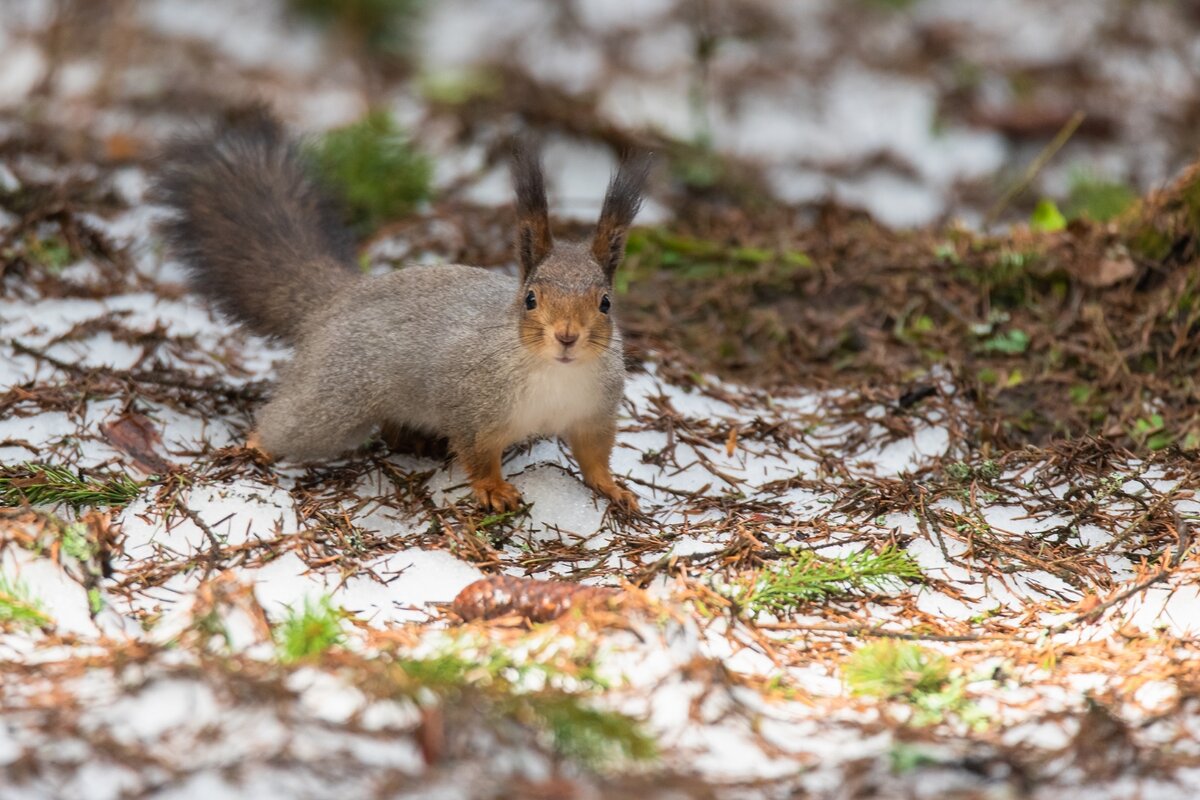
[{"x": 536, "y": 600}]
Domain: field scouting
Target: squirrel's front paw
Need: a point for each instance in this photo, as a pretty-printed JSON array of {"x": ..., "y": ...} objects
[
  {"x": 621, "y": 497},
  {"x": 497, "y": 495}
]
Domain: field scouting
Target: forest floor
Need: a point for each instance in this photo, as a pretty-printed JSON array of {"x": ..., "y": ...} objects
[{"x": 918, "y": 504}]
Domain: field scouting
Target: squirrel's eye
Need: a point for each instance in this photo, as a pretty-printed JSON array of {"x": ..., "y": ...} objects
[
  {"x": 605, "y": 304},
  {"x": 531, "y": 301}
]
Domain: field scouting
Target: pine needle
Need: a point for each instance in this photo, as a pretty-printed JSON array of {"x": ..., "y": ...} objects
[
  {"x": 45, "y": 485},
  {"x": 805, "y": 577}
]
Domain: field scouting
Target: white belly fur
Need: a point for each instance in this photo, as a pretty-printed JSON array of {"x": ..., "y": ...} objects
[{"x": 555, "y": 398}]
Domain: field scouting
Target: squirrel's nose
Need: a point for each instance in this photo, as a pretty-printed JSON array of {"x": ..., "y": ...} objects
[{"x": 567, "y": 339}]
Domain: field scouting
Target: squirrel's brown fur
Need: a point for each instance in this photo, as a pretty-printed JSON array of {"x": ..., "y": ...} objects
[
  {"x": 482, "y": 359},
  {"x": 255, "y": 234}
]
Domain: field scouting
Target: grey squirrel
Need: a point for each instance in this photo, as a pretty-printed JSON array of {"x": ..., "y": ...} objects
[{"x": 483, "y": 359}]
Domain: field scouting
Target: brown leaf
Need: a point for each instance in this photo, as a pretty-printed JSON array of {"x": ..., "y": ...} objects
[
  {"x": 1109, "y": 271},
  {"x": 101, "y": 528},
  {"x": 123, "y": 147},
  {"x": 1104, "y": 746},
  {"x": 431, "y": 734},
  {"x": 1088, "y": 602},
  {"x": 134, "y": 435}
]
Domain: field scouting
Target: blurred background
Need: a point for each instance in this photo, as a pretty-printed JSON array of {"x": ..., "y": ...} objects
[
  {"x": 847, "y": 192},
  {"x": 916, "y": 111}
]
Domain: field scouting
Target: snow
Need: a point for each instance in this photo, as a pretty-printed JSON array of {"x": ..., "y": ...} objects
[
  {"x": 657, "y": 667},
  {"x": 22, "y": 66}
]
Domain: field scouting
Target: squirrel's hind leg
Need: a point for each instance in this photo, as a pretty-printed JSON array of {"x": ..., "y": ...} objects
[
  {"x": 401, "y": 438},
  {"x": 254, "y": 442},
  {"x": 307, "y": 429}
]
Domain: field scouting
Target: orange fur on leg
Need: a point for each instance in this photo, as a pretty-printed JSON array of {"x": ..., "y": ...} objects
[
  {"x": 592, "y": 446},
  {"x": 254, "y": 443},
  {"x": 482, "y": 465}
]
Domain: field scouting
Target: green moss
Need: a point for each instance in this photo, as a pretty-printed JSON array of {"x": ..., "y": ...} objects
[
  {"x": 595, "y": 738},
  {"x": 962, "y": 472},
  {"x": 18, "y": 607},
  {"x": 1149, "y": 242},
  {"x": 1011, "y": 265},
  {"x": 1153, "y": 234},
  {"x": 44, "y": 485},
  {"x": 1189, "y": 196},
  {"x": 95, "y": 601},
  {"x": 77, "y": 542},
  {"x": 651, "y": 250},
  {"x": 947, "y": 253},
  {"x": 1150, "y": 431},
  {"x": 697, "y": 167},
  {"x": 1046, "y": 217},
  {"x": 1009, "y": 277},
  {"x": 1011, "y": 342},
  {"x": 906, "y": 758},
  {"x": 892, "y": 5},
  {"x": 895, "y": 670},
  {"x": 889, "y": 669},
  {"x": 1187, "y": 302},
  {"x": 1098, "y": 199},
  {"x": 457, "y": 87},
  {"x": 577, "y": 730},
  {"x": 51, "y": 252},
  {"x": 309, "y": 631},
  {"x": 374, "y": 168}
]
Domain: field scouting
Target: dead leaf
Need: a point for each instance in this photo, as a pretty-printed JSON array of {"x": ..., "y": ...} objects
[
  {"x": 134, "y": 435},
  {"x": 431, "y": 734},
  {"x": 1104, "y": 745},
  {"x": 123, "y": 147},
  {"x": 1110, "y": 271}
]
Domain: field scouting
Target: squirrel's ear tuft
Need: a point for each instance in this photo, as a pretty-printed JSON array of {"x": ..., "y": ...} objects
[
  {"x": 533, "y": 215},
  {"x": 621, "y": 204}
]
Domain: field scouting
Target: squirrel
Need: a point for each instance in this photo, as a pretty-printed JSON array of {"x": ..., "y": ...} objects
[{"x": 482, "y": 359}]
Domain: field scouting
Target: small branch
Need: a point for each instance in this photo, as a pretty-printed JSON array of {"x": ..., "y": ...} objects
[
  {"x": 214, "y": 542},
  {"x": 1034, "y": 168},
  {"x": 1184, "y": 533},
  {"x": 26, "y": 350}
]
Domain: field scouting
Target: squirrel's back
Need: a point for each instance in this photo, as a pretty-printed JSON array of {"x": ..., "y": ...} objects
[{"x": 255, "y": 233}]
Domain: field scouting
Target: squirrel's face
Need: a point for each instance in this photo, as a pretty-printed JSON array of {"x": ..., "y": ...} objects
[
  {"x": 566, "y": 313},
  {"x": 565, "y": 304}
]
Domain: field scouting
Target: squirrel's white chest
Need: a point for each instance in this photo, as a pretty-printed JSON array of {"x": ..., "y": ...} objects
[{"x": 554, "y": 398}]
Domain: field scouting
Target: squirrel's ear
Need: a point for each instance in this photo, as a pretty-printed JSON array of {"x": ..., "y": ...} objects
[
  {"x": 621, "y": 204},
  {"x": 533, "y": 215}
]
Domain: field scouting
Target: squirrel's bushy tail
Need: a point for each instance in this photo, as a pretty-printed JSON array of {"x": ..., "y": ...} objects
[{"x": 257, "y": 236}]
